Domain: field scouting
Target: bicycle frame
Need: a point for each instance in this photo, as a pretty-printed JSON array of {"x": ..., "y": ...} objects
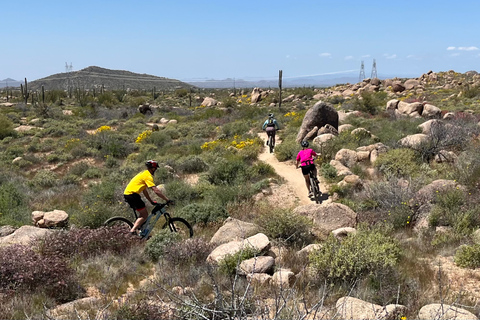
[{"x": 149, "y": 224}]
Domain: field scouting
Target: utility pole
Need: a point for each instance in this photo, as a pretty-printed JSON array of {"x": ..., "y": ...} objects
[
  {"x": 280, "y": 87},
  {"x": 374, "y": 70},
  {"x": 362, "y": 73}
]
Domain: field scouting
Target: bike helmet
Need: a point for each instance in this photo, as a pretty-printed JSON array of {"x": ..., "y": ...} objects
[
  {"x": 270, "y": 115},
  {"x": 304, "y": 144},
  {"x": 151, "y": 164}
]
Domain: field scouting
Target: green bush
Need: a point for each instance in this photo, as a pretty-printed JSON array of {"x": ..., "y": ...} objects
[
  {"x": 230, "y": 262},
  {"x": 287, "y": 150},
  {"x": 44, "y": 179},
  {"x": 468, "y": 256},
  {"x": 13, "y": 204},
  {"x": 6, "y": 127},
  {"x": 356, "y": 256},
  {"x": 401, "y": 162},
  {"x": 156, "y": 247},
  {"x": 228, "y": 171},
  {"x": 180, "y": 191},
  {"x": 284, "y": 225},
  {"x": 328, "y": 171},
  {"x": 191, "y": 165},
  {"x": 203, "y": 212}
]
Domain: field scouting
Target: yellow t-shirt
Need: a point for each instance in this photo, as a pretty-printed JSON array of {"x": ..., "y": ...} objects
[{"x": 139, "y": 183}]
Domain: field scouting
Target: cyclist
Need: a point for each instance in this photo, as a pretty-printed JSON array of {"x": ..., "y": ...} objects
[
  {"x": 305, "y": 158},
  {"x": 270, "y": 126},
  {"x": 141, "y": 183}
]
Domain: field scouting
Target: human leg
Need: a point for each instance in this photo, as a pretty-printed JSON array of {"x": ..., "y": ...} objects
[{"x": 143, "y": 214}]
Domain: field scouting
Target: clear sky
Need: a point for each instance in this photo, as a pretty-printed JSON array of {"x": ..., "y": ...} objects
[{"x": 243, "y": 39}]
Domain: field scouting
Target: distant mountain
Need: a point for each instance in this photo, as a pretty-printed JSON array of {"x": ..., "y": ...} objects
[
  {"x": 9, "y": 83},
  {"x": 308, "y": 81},
  {"x": 96, "y": 77}
]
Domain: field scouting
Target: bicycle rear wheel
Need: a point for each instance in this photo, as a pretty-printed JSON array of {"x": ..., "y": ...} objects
[
  {"x": 315, "y": 189},
  {"x": 119, "y": 222},
  {"x": 270, "y": 144},
  {"x": 180, "y": 226}
]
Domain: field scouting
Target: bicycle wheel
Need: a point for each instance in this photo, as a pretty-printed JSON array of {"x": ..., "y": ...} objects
[
  {"x": 181, "y": 226},
  {"x": 270, "y": 144},
  {"x": 119, "y": 222},
  {"x": 315, "y": 189}
]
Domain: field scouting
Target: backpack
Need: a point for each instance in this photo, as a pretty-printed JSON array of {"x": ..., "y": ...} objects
[{"x": 270, "y": 123}]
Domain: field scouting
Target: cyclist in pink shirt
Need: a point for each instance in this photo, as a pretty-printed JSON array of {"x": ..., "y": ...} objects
[{"x": 305, "y": 158}]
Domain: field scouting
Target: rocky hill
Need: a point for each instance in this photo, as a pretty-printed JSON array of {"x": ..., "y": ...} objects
[{"x": 96, "y": 77}]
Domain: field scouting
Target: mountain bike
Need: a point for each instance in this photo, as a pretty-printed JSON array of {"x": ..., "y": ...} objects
[{"x": 175, "y": 224}]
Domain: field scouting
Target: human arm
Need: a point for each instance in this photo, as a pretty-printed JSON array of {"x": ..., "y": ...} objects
[
  {"x": 159, "y": 193},
  {"x": 264, "y": 125}
]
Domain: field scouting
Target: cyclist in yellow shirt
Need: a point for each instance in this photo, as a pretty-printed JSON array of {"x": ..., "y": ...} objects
[{"x": 141, "y": 183}]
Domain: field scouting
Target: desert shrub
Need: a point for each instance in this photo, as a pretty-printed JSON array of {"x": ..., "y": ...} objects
[
  {"x": 13, "y": 204},
  {"x": 6, "y": 127},
  {"x": 230, "y": 262},
  {"x": 192, "y": 165},
  {"x": 203, "y": 212},
  {"x": 24, "y": 270},
  {"x": 44, "y": 179},
  {"x": 79, "y": 168},
  {"x": 370, "y": 102},
  {"x": 107, "y": 99},
  {"x": 181, "y": 93},
  {"x": 262, "y": 169},
  {"x": 451, "y": 209},
  {"x": 109, "y": 142},
  {"x": 92, "y": 173},
  {"x": 400, "y": 162},
  {"x": 468, "y": 256},
  {"x": 328, "y": 171},
  {"x": 284, "y": 225},
  {"x": 235, "y": 128},
  {"x": 180, "y": 191},
  {"x": 140, "y": 310},
  {"x": 227, "y": 171},
  {"x": 467, "y": 167},
  {"x": 85, "y": 242},
  {"x": 158, "y": 245},
  {"x": 287, "y": 150},
  {"x": 356, "y": 256},
  {"x": 159, "y": 138},
  {"x": 190, "y": 251}
]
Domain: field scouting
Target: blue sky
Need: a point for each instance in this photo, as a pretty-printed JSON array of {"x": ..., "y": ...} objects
[{"x": 189, "y": 39}]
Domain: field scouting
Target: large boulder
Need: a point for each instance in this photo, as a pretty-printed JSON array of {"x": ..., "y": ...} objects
[
  {"x": 261, "y": 264},
  {"x": 258, "y": 243},
  {"x": 321, "y": 114},
  {"x": 50, "y": 219},
  {"x": 414, "y": 140},
  {"x": 444, "y": 312},
  {"x": 209, "y": 102},
  {"x": 329, "y": 216},
  {"x": 25, "y": 235},
  {"x": 353, "y": 308},
  {"x": 233, "y": 229}
]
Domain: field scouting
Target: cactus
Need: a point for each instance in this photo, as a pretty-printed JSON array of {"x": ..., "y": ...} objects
[{"x": 25, "y": 93}]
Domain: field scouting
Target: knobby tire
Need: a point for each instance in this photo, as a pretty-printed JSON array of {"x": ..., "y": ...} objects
[
  {"x": 119, "y": 221},
  {"x": 179, "y": 225},
  {"x": 315, "y": 189}
]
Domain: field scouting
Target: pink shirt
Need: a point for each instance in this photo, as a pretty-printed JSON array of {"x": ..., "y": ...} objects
[{"x": 306, "y": 155}]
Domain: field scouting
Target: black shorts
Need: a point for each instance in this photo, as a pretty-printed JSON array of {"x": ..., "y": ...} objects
[
  {"x": 306, "y": 169},
  {"x": 134, "y": 200}
]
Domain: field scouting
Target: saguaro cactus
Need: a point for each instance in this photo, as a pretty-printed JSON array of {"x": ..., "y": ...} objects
[{"x": 24, "y": 90}]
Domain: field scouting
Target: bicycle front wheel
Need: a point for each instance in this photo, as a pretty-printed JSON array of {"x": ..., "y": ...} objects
[
  {"x": 180, "y": 226},
  {"x": 119, "y": 222}
]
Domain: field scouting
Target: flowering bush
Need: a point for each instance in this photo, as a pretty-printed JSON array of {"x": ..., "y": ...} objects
[
  {"x": 142, "y": 136},
  {"x": 103, "y": 128}
]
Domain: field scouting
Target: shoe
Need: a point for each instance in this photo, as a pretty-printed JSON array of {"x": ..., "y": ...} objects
[
  {"x": 310, "y": 194},
  {"x": 266, "y": 143}
]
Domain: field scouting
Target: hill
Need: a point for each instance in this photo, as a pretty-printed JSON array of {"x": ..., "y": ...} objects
[
  {"x": 96, "y": 77},
  {"x": 9, "y": 83}
]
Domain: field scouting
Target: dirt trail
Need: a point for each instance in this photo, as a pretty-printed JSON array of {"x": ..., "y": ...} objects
[{"x": 287, "y": 171}]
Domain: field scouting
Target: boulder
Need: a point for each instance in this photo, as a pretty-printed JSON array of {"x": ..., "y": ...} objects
[
  {"x": 209, "y": 102},
  {"x": 319, "y": 115},
  {"x": 444, "y": 312},
  {"x": 258, "y": 242},
  {"x": 233, "y": 229},
  {"x": 261, "y": 264},
  {"x": 24, "y": 235},
  {"x": 414, "y": 140},
  {"x": 353, "y": 308},
  {"x": 346, "y": 157},
  {"x": 329, "y": 216},
  {"x": 432, "y": 112}
]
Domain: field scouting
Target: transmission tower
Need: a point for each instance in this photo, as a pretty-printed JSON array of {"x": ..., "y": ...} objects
[
  {"x": 66, "y": 67},
  {"x": 362, "y": 73},
  {"x": 374, "y": 70}
]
